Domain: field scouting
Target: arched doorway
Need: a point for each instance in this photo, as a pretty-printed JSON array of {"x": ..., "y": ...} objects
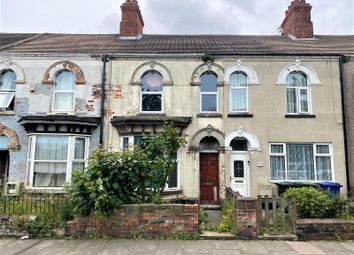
[
  {"x": 209, "y": 170},
  {"x": 4, "y": 159},
  {"x": 239, "y": 166},
  {"x": 241, "y": 144}
]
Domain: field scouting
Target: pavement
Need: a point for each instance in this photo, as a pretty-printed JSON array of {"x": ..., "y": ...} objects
[{"x": 131, "y": 247}]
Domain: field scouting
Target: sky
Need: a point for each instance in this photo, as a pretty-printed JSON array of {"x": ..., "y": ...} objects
[{"x": 243, "y": 17}]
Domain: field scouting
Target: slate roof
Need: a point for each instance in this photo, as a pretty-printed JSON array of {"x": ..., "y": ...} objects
[
  {"x": 7, "y": 39},
  {"x": 182, "y": 44}
]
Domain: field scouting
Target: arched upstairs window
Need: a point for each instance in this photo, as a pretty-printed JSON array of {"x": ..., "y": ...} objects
[
  {"x": 209, "y": 92},
  {"x": 298, "y": 94},
  {"x": 238, "y": 92},
  {"x": 151, "y": 96},
  {"x": 7, "y": 89},
  {"x": 64, "y": 92}
]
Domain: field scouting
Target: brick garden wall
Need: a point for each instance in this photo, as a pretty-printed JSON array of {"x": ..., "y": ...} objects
[
  {"x": 246, "y": 217},
  {"x": 149, "y": 220},
  {"x": 325, "y": 229}
]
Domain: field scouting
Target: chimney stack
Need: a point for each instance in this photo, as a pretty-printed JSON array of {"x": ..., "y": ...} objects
[
  {"x": 297, "y": 20},
  {"x": 132, "y": 22}
]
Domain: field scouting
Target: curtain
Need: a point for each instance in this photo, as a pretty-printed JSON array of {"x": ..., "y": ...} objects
[
  {"x": 79, "y": 148},
  {"x": 323, "y": 168},
  {"x": 51, "y": 147},
  {"x": 239, "y": 100},
  {"x": 49, "y": 180},
  {"x": 7, "y": 81},
  {"x": 65, "y": 81},
  {"x": 300, "y": 162},
  {"x": 303, "y": 100},
  {"x": 296, "y": 79},
  {"x": 64, "y": 101},
  {"x": 291, "y": 100},
  {"x": 4, "y": 142},
  {"x": 238, "y": 80},
  {"x": 277, "y": 166}
]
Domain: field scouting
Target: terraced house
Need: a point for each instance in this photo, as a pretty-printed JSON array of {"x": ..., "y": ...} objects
[{"x": 257, "y": 110}]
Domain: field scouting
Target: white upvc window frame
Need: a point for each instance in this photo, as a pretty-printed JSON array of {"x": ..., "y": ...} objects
[
  {"x": 298, "y": 90},
  {"x": 233, "y": 88},
  {"x": 10, "y": 92},
  {"x": 315, "y": 154},
  {"x": 216, "y": 93},
  {"x": 73, "y": 92},
  {"x": 69, "y": 162},
  {"x": 161, "y": 93}
]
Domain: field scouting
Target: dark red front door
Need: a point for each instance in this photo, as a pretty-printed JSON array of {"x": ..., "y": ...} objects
[{"x": 209, "y": 178}]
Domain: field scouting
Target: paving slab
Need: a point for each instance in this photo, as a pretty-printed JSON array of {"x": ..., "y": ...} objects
[
  {"x": 304, "y": 248},
  {"x": 13, "y": 246},
  {"x": 251, "y": 247}
]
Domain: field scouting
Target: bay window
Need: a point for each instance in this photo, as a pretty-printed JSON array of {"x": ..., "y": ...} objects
[
  {"x": 298, "y": 94},
  {"x": 301, "y": 162},
  {"x": 53, "y": 158},
  {"x": 209, "y": 92},
  {"x": 238, "y": 93},
  {"x": 7, "y": 89}
]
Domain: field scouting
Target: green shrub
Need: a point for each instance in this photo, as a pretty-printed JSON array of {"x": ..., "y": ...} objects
[
  {"x": 135, "y": 175},
  {"x": 310, "y": 203}
]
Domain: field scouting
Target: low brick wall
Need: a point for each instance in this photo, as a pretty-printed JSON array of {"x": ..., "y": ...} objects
[
  {"x": 325, "y": 229},
  {"x": 246, "y": 217},
  {"x": 148, "y": 220}
]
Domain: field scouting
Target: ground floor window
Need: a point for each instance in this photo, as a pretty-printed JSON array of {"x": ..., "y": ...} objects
[
  {"x": 173, "y": 179},
  {"x": 301, "y": 162},
  {"x": 53, "y": 158}
]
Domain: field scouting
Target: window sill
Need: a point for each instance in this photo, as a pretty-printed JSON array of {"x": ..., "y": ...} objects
[
  {"x": 209, "y": 115},
  {"x": 172, "y": 192},
  {"x": 240, "y": 115},
  {"x": 54, "y": 190},
  {"x": 300, "y": 116},
  {"x": 152, "y": 113},
  {"x": 7, "y": 113}
]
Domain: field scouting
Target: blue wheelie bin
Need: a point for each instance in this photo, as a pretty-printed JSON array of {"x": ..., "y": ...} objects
[{"x": 332, "y": 188}]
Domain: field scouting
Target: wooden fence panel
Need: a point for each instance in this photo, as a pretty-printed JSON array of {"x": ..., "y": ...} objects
[{"x": 275, "y": 215}]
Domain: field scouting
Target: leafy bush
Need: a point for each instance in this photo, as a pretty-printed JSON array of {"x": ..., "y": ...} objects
[
  {"x": 310, "y": 203},
  {"x": 136, "y": 175}
]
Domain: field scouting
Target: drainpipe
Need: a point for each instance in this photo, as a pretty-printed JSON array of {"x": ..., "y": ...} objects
[
  {"x": 344, "y": 110},
  {"x": 105, "y": 59}
]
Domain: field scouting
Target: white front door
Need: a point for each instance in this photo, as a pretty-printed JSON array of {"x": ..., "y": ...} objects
[{"x": 239, "y": 173}]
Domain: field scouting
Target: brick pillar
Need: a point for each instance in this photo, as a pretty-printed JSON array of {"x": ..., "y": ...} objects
[
  {"x": 297, "y": 20},
  {"x": 246, "y": 217},
  {"x": 132, "y": 22}
]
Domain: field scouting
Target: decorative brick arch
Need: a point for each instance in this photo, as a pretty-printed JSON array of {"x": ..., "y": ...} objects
[
  {"x": 208, "y": 67},
  {"x": 251, "y": 138},
  {"x": 8, "y": 64},
  {"x": 14, "y": 144},
  {"x": 151, "y": 66},
  {"x": 52, "y": 71}
]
